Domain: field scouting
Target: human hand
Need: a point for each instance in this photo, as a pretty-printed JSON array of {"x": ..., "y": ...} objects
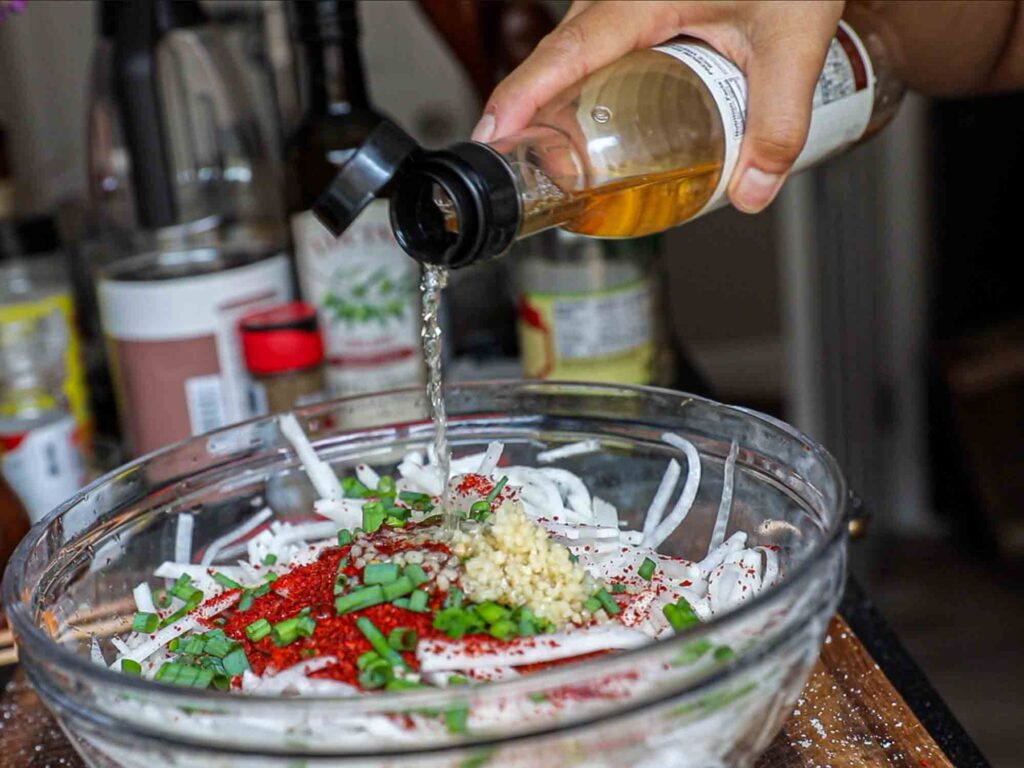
[{"x": 780, "y": 46}]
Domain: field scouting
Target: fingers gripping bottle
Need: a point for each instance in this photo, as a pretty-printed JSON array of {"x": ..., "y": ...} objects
[{"x": 637, "y": 147}]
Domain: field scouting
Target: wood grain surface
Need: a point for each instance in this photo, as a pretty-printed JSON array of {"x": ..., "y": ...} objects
[{"x": 848, "y": 716}]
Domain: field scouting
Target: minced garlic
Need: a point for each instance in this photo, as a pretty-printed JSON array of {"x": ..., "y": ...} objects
[{"x": 513, "y": 561}]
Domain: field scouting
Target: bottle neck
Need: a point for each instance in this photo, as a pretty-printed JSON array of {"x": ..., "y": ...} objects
[{"x": 335, "y": 77}]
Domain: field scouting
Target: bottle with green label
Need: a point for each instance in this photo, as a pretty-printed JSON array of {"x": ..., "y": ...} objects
[{"x": 363, "y": 285}]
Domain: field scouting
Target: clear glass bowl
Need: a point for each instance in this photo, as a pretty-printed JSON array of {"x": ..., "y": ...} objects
[{"x": 83, "y": 560}]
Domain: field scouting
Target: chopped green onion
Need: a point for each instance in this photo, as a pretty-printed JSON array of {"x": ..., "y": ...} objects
[
  {"x": 258, "y": 630},
  {"x": 618, "y": 588},
  {"x": 692, "y": 652},
  {"x": 373, "y": 516},
  {"x": 503, "y": 629},
  {"x": 226, "y": 581},
  {"x": 285, "y": 632},
  {"x": 538, "y": 698},
  {"x": 386, "y": 485},
  {"x": 246, "y": 602},
  {"x": 401, "y": 602},
  {"x": 194, "y": 646},
  {"x": 418, "y": 601},
  {"x": 184, "y": 590},
  {"x": 398, "y": 684},
  {"x": 607, "y": 601},
  {"x": 412, "y": 497},
  {"x": 145, "y": 622},
  {"x": 366, "y": 659},
  {"x": 359, "y": 599},
  {"x": 236, "y": 662},
  {"x": 131, "y": 667},
  {"x": 498, "y": 486},
  {"x": 173, "y": 645},
  {"x": 491, "y": 612},
  {"x": 480, "y": 510},
  {"x": 454, "y": 599},
  {"x": 270, "y": 559},
  {"x": 415, "y": 574},
  {"x": 456, "y": 717},
  {"x": 394, "y": 522},
  {"x": 398, "y": 588},
  {"x": 573, "y": 558},
  {"x": 218, "y": 647},
  {"x": 380, "y": 573},
  {"x": 592, "y": 604},
  {"x": 458, "y": 622},
  {"x": 380, "y": 643},
  {"x": 458, "y": 680},
  {"x": 353, "y": 488},
  {"x": 403, "y": 638},
  {"x": 376, "y": 675},
  {"x": 646, "y": 570},
  {"x": 680, "y": 615},
  {"x": 723, "y": 653},
  {"x": 344, "y": 537},
  {"x": 307, "y": 626}
]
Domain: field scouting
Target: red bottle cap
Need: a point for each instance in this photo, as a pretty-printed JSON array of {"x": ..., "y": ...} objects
[{"x": 282, "y": 338}]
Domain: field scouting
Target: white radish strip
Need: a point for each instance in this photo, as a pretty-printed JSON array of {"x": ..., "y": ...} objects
[
  {"x": 181, "y": 626},
  {"x": 576, "y": 495},
  {"x": 438, "y": 655},
  {"x": 771, "y": 565},
  {"x": 95, "y": 654},
  {"x": 493, "y": 675},
  {"x": 468, "y": 464},
  {"x": 122, "y": 647},
  {"x": 319, "y": 473},
  {"x": 172, "y": 570},
  {"x": 366, "y": 475},
  {"x": 605, "y": 514},
  {"x": 144, "y": 598},
  {"x": 281, "y": 681},
  {"x": 183, "y": 538},
  {"x": 538, "y": 491},
  {"x": 580, "y": 448},
  {"x": 306, "y": 532},
  {"x": 426, "y": 479},
  {"x": 581, "y": 532},
  {"x": 733, "y": 544},
  {"x": 661, "y": 498},
  {"x": 217, "y": 545},
  {"x": 347, "y": 513},
  {"x": 491, "y": 458},
  {"x": 679, "y": 512},
  {"x": 725, "y": 505}
]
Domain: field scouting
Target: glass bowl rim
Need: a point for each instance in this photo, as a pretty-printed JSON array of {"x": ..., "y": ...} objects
[{"x": 43, "y": 646}]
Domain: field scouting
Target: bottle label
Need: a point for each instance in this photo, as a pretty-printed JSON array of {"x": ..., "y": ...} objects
[
  {"x": 841, "y": 109},
  {"x": 365, "y": 288},
  {"x": 605, "y": 336},
  {"x": 43, "y": 465}
]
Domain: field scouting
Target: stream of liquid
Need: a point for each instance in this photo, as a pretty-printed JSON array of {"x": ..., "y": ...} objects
[{"x": 435, "y": 278}]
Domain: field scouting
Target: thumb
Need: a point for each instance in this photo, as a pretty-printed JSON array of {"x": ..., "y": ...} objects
[{"x": 781, "y": 78}]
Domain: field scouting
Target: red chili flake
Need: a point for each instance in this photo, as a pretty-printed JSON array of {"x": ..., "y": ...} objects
[
  {"x": 686, "y": 583},
  {"x": 312, "y": 586}
]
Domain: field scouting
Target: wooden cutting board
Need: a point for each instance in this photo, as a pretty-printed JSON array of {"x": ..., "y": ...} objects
[{"x": 848, "y": 716}]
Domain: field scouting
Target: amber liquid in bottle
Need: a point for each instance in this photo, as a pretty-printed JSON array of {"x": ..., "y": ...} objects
[{"x": 639, "y": 146}]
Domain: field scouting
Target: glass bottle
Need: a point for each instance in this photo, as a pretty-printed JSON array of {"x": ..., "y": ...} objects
[
  {"x": 587, "y": 309},
  {"x": 363, "y": 286},
  {"x": 284, "y": 352},
  {"x": 643, "y": 144},
  {"x": 40, "y": 449}
]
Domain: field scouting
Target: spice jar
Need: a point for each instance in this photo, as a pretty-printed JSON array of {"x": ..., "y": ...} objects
[{"x": 284, "y": 352}]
